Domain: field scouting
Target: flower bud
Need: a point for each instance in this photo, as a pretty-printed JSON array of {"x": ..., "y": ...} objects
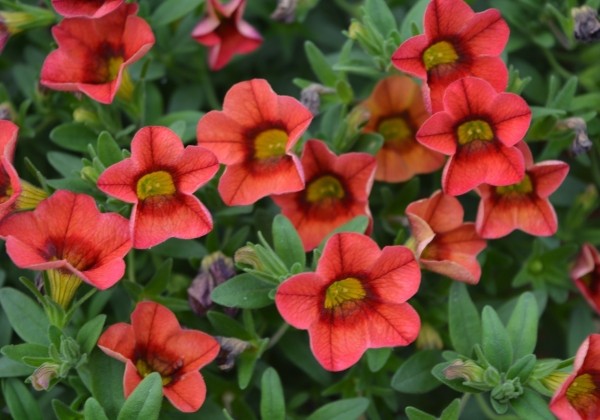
[
  {"x": 587, "y": 26},
  {"x": 508, "y": 390},
  {"x": 246, "y": 256},
  {"x": 310, "y": 96},
  {"x": 40, "y": 379},
  {"x": 429, "y": 338},
  {"x": 215, "y": 269},
  {"x": 465, "y": 369},
  {"x": 285, "y": 11},
  {"x": 230, "y": 348}
]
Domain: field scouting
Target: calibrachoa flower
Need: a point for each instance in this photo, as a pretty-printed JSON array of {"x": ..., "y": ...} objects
[
  {"x": 160, "y": 179},
  {"x": 457, "y": 43},
  {"x": 443, "y": 243},
  {"x": 579, "y": 396},
  {"x": 478, "y": 130},
  {"x": 523, "y": 205},
  {"x": 586, "y": 275},
  {"x": 225, "y": 32},
  {"x": 93, "y": 54},
  {"x": 254, "y": 136},
  {"x": 155, "y": 342},
  {"x": 396, "y": 112},
  {"x": 337, "y": 190},
  {"x": 354, "y": 301},
  {"x": 85, "y": 8},
  {"x": 69, "y": 237}
]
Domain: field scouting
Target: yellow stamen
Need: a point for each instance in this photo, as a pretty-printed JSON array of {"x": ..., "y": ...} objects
[
  {"x": 270, "y": 144},
  {"x": 63, "y": 286},
  {"x": 144, "y": 369},
  {"x": 395, "y": 130},
  {"x": 126, "y": 89},
  {"x": 323, "y": 188},
  {"x": 30, "y": 197},
  {"x": 342, "y": 291},
  {"x": 155, "y": 183},
  {"x": 441, "y": 52},
  {"x": 581, "y": 392},
  {"x": 520, "y": 188},
  {"x": 474, "y": 130}
]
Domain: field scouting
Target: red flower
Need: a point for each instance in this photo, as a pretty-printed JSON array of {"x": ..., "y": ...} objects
[
  {"x": 478, "y": 129},
  {"x": 397, "y": 111},
  {"x": 85, "y": 8},
  {"x": 523, "y": 205},
  {"x": 225, "y": 33},
  {"x": 337, "y": 190},
  {"x": 457, "y": 43},
  {"x": 354, "y": 301},
  {"x": 160, "y": 178},
  {"x": 254, "y": 136},
  {"x": 92, "y": 54},
  {"x": 443, "y": 243},
  {"x": 67, "y": 235},
  {"x": 578, "y": 398},
  {"x": 586, "y": 275},
  {"x": 155, "y": 342}
]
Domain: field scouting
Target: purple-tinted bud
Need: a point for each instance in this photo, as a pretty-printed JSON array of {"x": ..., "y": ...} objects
[
  {"x": 230, "y": 349},
  {"x": 43, "y": 375},
  {"x": 215, "y": 269}
]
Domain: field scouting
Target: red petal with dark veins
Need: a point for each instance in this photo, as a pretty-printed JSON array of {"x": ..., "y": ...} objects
[
  {"x": 299, "y": 299},
  {"x": 118, "y": 341}
]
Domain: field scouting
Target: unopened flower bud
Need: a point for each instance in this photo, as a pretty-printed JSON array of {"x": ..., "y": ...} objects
[
  {"x": 429, "y": 338},
  {"x": 587, "y": 26},
  {"x": 43, "y": 375},
  {"x": 246, "y": 256},
  {"x": 215, "y": 269},
  {"x": 89, "y": 173},
  {"x": 508, "y": 390},
  {"x": 230, "y": 348},
  {"x": 491, "y": 376},
  {"x": 468, "y": 370},
  {"x": 6, "y": 110},
  {"x": 310, "y": 96},
  {"x": 83, "y": 115},
  {"x": 356, "y": 30},
  {"x": 285, "y": 11}
]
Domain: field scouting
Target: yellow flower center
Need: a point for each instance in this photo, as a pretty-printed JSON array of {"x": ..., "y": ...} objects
[
  {"x": 581, "y": 393},
  {"x": 342, "y": 291},
  {"x": 441, "y": 52},
  {"x": 144, "y": 369},
  {"x": 155, "y": 183},
  {"x": 270, "y": 144},
  {"x": 474, "y": 130},
  {"x": 323, "y": 188},
  {"x": 113, "y": 65},
  {"x": 520, "y": 188},
  {"x": 8, "y": 192},
  {"x": 394, "y": 129}
]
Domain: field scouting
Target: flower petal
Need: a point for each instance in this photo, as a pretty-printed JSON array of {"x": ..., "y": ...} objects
[
  {"x": 131, "y": 378},
  {"x": 299, "y": 299},
  {"x": 195, "y": 167},
  {"x": 511, "y": 117},
  {"x": 486, "y": 33},
  {"x": 446, "y": 17},
  {"x": 409, "y": 56},
  {"x": 469, "y": 97},
  {"x": 187, "y": 393},
  {"x": 118, "y": 342},
  {"x": 438, "y": 133},
  {"x": 392, "y": 325},
  {"x": 442, "y": 212},
  {"x": 548, "y": 176},
  {"x": 153, "y": 326},
  {"x": 395, "y": 275},
  {"x": 223, "y": 136},
  {"x": 155, "y": 146},
  {"x": 195, "y": 348},
  {"x": 347, "y": 254},
  {"x": 119, "y": 181}
]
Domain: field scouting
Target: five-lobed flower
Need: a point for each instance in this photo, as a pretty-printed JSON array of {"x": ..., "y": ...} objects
[{"x": 85, "y": 8}]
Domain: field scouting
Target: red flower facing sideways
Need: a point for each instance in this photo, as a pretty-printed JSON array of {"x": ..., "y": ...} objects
[
  {"x": 254, "y": 136},
  {"x": 225, "y": 32},
  {"x": 93, "y": 54},
  {"x": 443, "y": 243},
  {"x": 523, "y": 205},
  {"x": 478, "y": 130},
  {"x": 354, "y": 301},
  {"x": 337, "y": 190},
  {"x": 85, "y": 8},
  {"x": 155, "y": 342},
  {"x": 586, "y": 275},
  {"x": 160, "y": 179},
  {"x": 578, "y": 398},
  {"x": 457, "y": 43}
]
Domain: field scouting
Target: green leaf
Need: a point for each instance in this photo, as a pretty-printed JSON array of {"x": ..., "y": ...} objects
[
  {"x": 88, "y": 334},
  {"x": 247, "y": 362},
  {"x": 160, "y": 279},
  {"x": 145, "y": 401},
  {"x": 414, "y": 375},
  {"x": 190, "y": 118},
  {"x": 92, "y": 410},
  {"x": 377, "y": 358},
  {"x": 369, "y": 143},
  {"x": 319, "y": 64},
  {"x": 73, "y": 136},
  {"x": 106, "y": 376},
  {"x": 171, "y": 10},
  {"x": 272, "y": 402},
  {"x": 522, "y": 368},
  {"x": 565, "y": 96},
  {"x": 227, "y": 326},
  {"x": 18, "y": 351},
  {"x": 415, "y": 414},
  {"x": 463, "y": 319},
  {"x": 380, "y": 14},
  {"x": 287, "y": 243},
  {"x": 10, "y": 368},
  {"x": 347, "y": 409},
  {"x": 495, "y": 342},
  {"x": 64, "y": 163},
  {"x": 21, "y": 403},
  {"x": 108, "y": 150},
  {"x": 63, "y": 412},
  {"x": 531, "y": 405},
  {"x": 180, "y": 248},
  {"x": 26, "y": 316},
  {"x": 243, "y": 291},
  {"x": 581, "y": 324},
  {"x": 452, "y": 412},
  {"x": 414, "y": 18},
  {"x": 522, "y": 326}
]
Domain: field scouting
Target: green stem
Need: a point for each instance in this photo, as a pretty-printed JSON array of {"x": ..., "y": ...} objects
[
  {"x": 488, "y": 412},
  {"x": 131, "y": 266},
  {"x": 278, "y": 334},
  {"x": 556, "y": 65}
]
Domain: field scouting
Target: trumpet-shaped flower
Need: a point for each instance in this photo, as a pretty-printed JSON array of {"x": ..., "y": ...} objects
[
  {"x": 155, "y": 342},
  {"x": 397, "y": 111},
  {"x": 478, "y": 130},
  {"x": 523, "y": 205},
  {"x": 443, "y": 243},
  {"x": 254, "y": 136},
  {"x": 67, "y": 235},
  {"x": 578, "y": 398},
  {"x": 160, "y": 179},
  {"x": 337, "y": 190},
  {"x": 225, "y": 32},
  {"x": 355, "y": 300},
  {"x": 93, "y": 54},
  {"x": 85, "y": 8},
  {"x": 586, "y": 275},
  {"x": 457, "y": 43}
]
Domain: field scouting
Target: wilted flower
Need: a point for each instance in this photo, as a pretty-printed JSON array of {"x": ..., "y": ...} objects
[
  {"x": 285, "y": 11},
  {"x": 42, "y": 377},
  {"x": 230, "y": 349},
  {"x": 581, "y": 142},
  {"x": 215, "y": 269},
  {"x": 587, "y": 25},
  {"x": 467, "y": 370}
]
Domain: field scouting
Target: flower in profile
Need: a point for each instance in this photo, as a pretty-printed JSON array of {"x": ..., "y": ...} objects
[
  {"x": 155, "y": 342},
  {"x": 337, "y": 190},
  {"x": 579, "y": 396},
  {"x": 69, "y": 237},
  {"x": 523, "y": 205},
  {"x": 225, "y": 32},
  {"x": 85, "y": 8},
  {"x": 355, "y": 300},
  {"x": 254, "y": 136},
  {"x": 93, "y": 54},
  {"x": 20, "y": 18},
  {"x": 396, "y": 112},
  {"x": 215, "y": 269},
  {"x": 478, "y": 129},
  {"x": 442, "y": 242},
  {"x": 586, "y": 275},
  {"x": 457, "y": 43},
  {"x": 160, "y": 179}
]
